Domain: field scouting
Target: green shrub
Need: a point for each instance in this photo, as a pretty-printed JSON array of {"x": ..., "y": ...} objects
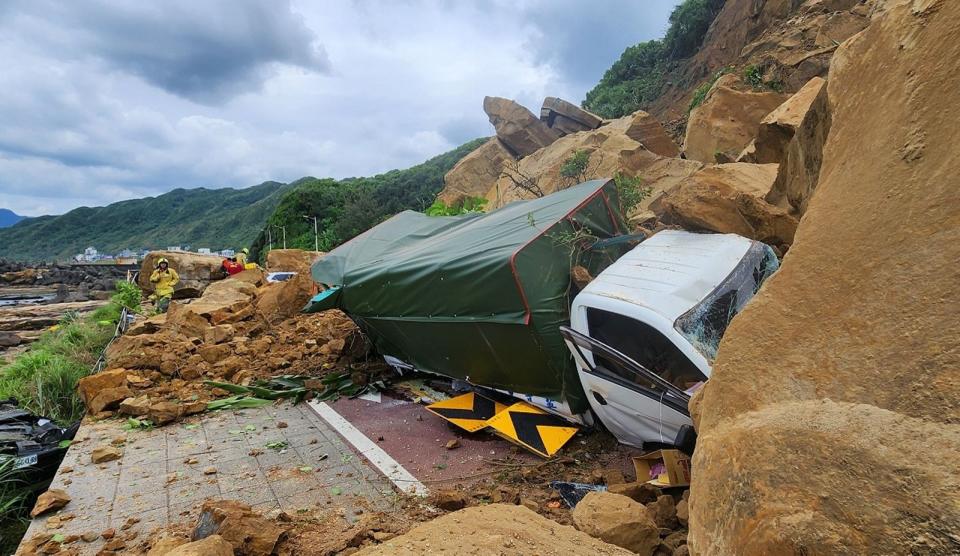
[
  {"x": 466, "y": 206},
  {"x": 630, "y": 192},
  {"x": 574, "y": 169}
]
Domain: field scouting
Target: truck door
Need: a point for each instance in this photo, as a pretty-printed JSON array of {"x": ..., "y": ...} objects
[{"x": 635, "y": 404}]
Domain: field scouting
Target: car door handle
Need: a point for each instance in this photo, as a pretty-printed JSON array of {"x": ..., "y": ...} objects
[{"x": 599, "y": 398}]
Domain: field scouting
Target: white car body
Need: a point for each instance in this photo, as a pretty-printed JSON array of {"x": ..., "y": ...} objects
[{"x": 655, "y": 284}]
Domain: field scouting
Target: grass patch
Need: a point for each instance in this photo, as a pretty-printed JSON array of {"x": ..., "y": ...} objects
[
  {"x": 44, "y": 378},
  {"x": 15, "y": 499}
]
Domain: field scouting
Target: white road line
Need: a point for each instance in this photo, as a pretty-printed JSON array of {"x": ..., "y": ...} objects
[{"x": 390, "y": 467}]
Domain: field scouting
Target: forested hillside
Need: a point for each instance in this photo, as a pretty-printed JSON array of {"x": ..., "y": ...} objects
[
  {"x": 214, "y": 218},
  {"x": 345, "y": 208},
  {"x": 644, "y": 70}
]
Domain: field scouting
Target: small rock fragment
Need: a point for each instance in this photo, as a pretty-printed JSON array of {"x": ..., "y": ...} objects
[
  {"x": 453, "y": 444},
  {"x": 210, "y": 470},
  {"x": 103, "y": 454},
  {"x": 51, "y": 500}
]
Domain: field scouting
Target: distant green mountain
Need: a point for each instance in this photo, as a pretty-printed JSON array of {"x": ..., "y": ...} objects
[
  {"x": 9, "y": 218},
  {"x": 346, "y": 208},
  {"x": 214, "y": 218}
]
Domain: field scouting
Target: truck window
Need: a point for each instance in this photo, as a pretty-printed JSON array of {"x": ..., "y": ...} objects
[
  {"x": 705, "y": 324},
  {"x": 645, "y": 345}
]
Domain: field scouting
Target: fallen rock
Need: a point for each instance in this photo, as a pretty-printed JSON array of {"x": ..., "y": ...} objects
[
  {"x": 778, "y": 127},
  {"x": 502, "y": 529},
  {"x": 89, "y": 386},
  {"x": 165, "y": 545},
  {"x": 49, "y": 501},
  {"x": 450, "y": 500},
  {"x": 103, "y": 454},
  {"x": 108, "y": 399},
  {"x": 683, "y": 514},
  {"x": 801, "y": 371},
  {"x": 617, "y": 520},
  {"x": 729, "y": 198},
  {"x": 282, "y": 300},
  {"x": 799, "y": 171},
  {"x": 567, "y": 117},
  {"x": 219, "y": 334},
  {"x": 664, "y": 512},
  {"x": 727, "y": 120},
  {"x": 196, "y": 271},
  {"x": 649, "y": 132},
  {"x": 838, "y": 27},
  {"x": 137, "y": 406},
  {"x": 477, "y": 173},
  {"x": 163, "y": 412},
  {"x": 517, "y": 127},
  {"x": 214, "y": 545},
  {"x": 249, "y": 533},
  {"x": 291, "y": 260},
  {"x": 638, "y": 492}
]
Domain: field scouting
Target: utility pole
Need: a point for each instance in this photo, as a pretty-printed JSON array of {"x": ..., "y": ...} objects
[
  {"x": 269, "y": 239},
  {"x": 283, "y": 229},
  {"x": 316, "y": 236}
]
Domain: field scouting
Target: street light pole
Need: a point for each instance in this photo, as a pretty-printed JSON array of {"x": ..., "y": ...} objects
[
  {"x": 316, "y": 236},
  {"x": 269, "y": 239}
]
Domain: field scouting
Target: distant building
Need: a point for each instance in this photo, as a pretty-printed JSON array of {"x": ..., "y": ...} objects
[
  {"x": 203, "y": 250},
  {"x": 90, "y": 254},
  {"x": 175, "y": 248},
  {"x": 227, "y": 253}
]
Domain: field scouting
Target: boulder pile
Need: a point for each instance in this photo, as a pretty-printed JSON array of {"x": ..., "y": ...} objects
[
  {"x": 196, "y": 271},
  {"x": 750, "y": 163},
  {"x": 239, "y": 330}
]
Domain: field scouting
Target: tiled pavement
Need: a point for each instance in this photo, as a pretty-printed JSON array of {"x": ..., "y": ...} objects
[{"x": 160, "y": 477}]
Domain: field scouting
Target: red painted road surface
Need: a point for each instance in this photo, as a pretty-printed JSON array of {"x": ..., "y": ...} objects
[{"x": 417, "y": 439}]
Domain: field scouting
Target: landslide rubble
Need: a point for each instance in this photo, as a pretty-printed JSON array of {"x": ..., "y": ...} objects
[{"x": 240, "y": 330}]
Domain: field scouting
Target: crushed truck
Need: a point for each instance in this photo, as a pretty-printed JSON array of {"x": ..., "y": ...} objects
[{"x": 488, "y": 299}]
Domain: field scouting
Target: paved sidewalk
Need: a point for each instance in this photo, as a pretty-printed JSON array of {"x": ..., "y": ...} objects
[{"x": 161, "y": 476}]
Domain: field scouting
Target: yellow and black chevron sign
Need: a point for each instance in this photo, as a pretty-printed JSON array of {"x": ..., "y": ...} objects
[
  {"x": 469, "y": 411},
  {"x": 532, "y": 428}
]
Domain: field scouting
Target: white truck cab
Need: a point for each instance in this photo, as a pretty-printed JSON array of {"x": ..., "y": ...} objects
[{"x": 645, "y": 331}]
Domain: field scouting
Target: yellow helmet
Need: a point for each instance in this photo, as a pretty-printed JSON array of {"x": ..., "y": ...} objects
[
  {"x": 245, "y": 251},
  {"x": 162, "y": 260}
]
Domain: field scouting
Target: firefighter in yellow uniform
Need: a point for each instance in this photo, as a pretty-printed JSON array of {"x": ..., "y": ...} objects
[{"x": 164, "y": 279}]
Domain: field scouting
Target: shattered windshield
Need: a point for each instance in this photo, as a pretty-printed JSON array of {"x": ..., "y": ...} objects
[{"x": 705, "y": 323}]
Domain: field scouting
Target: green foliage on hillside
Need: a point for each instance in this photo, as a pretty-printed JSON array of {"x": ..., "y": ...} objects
[
  {"x": 348, "y": 207},
  {"x": 214, "y": 218},
  {"x": 643, "y": 70}
]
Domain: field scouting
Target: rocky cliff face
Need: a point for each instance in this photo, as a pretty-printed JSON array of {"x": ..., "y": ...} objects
[{"x": 831, "y": 423}]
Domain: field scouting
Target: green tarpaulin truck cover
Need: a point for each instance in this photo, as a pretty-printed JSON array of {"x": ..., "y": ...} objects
[{"x": 477, "y": 297}]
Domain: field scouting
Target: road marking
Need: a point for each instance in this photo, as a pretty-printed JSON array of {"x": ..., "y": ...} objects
[{"x": 390, "y": 467}]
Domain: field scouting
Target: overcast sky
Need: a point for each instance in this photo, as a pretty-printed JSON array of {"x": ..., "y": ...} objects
[{"x": 105, "y": 100}]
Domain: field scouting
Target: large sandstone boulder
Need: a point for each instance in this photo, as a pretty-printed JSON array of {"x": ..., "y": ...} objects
[
  {"x": 830, "y": 423},
  {"x": 196, "y": 271},
  {"x": 283, "y": 300},
  {"x": 778, "y": 127},
  {"x": 800, "y": 169},
  {"x": 89, "y": 386},
  {"x": 214, "y": 545},
  {"x": 517, "y": 127},
  {"x": 618, "y": 520},
  {"x": 727, "y": 120},
  {"x": 476, "y": 174},
  {"x": 224, "y": 301},
  {"x": 729, "y": 198},
  {"x": 249, "y": 533},
  {"x": 649, "y": 132},
  {"x": 291, "y": 260},
  {"x": 567, "y": 117}
]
